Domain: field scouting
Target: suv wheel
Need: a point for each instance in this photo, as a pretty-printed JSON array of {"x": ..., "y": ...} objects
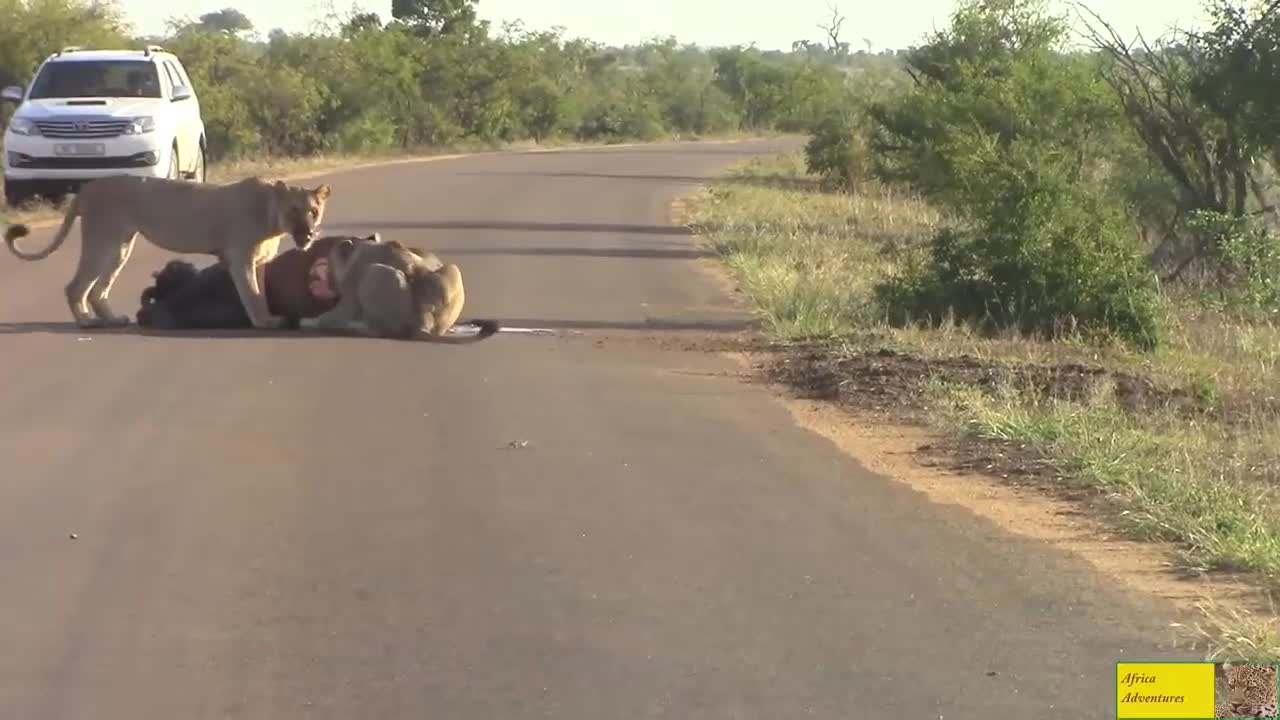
[
  {"x": 199, "y": 172},
  {"x": 17, "y": 194},
  {"x": 175, "y": 169}
]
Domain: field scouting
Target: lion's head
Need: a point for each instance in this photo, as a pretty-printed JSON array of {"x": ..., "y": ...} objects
[{"x": 300, "y": 210}]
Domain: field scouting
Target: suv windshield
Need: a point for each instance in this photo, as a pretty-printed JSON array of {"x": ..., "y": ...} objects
[{"x": 104, "y": 78}]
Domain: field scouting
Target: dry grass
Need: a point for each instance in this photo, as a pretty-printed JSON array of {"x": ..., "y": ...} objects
[
  {"x": 807, "y": 259},
  {"x": 1210, "y": 489},
  {"x": 1233, "y": 633},
  {"x": 1208, "y": 483}
]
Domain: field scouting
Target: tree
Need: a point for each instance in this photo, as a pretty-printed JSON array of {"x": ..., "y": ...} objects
[
  {"x": 832, "y": 30},
  {"x": 360, "y": 22},
  {"x": 435, "y": 17},
  {"x": 29, "y": 31},
  {"x": 431, "y": 76},
  {"x": 996, "y": 70},
  {"x": 1204, "y": 105},
  {"x": 1007, "y": 134},
  {"x": 228, "y": 20}
]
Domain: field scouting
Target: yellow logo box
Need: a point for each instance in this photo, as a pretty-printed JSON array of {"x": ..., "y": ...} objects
[{"x": 1164, "y": 691}]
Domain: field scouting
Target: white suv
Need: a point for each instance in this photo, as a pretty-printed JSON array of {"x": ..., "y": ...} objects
[{"x": 93, "y": 113}]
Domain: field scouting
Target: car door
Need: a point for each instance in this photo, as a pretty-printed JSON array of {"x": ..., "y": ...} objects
[
  {"x": 187, "y": 144},
  {"x": 196, "y": 121}
]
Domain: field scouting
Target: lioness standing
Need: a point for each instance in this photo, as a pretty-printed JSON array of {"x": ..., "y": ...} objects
[{"x": 241, "y": 223}]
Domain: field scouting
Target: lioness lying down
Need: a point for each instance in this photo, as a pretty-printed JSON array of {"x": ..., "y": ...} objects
[
  {"x": 240, "y": 223},
  {"x": 299, "y": 285},
  {"x": 388, "y": 290}
]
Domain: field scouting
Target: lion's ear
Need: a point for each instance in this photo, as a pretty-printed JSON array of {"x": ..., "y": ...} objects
[
  {"x": 374, "y": 238},
  {"x": 322, "y": 192}
]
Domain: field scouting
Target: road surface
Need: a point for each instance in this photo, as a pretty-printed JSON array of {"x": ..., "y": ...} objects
[{"x": 591, "y": 525}]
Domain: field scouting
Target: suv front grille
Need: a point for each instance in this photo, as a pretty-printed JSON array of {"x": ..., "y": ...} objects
[
  {"x": 137, "y": 160},
  {"x": 82, "y": 129}
]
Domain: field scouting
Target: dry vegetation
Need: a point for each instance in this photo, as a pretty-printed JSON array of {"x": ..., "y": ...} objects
[{"x": 1179, "y": 445}]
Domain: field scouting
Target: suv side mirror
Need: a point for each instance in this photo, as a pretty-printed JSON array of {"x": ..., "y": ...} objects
[
  {"x": 13, "y": 93},
  {"x": 181, "y": 92}
]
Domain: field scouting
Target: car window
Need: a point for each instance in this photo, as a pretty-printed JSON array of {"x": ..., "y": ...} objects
[
  {"x": 182, "y": 74},
  {"x": 97, "y": 78},
  {"x": 173, "y": 74}
]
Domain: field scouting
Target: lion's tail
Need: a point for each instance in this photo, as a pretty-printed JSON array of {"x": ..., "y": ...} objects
[
  {"x": 13, "y": 232},
  {"x": 488, "y": 328}
]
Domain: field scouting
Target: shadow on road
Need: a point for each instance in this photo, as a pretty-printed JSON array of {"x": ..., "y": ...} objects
[
  {"x": 358, "y": 226},
  {"x": 69, "y": 328},
  {"x": 712, "y": 326},
  {"x": 649, "y": 253},
  {"x": 738, "y": 150},
  {"x": 684, "y": 179},
  {"x": 772, "y": 181}
]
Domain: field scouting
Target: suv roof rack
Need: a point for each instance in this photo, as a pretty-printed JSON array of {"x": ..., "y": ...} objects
[
  {"x": 152, "y": 49},
  {"x": 70, "y": 48}
]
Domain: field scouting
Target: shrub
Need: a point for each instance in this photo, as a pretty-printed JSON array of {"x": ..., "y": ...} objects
[
  {"x": 1034, "y": 251},
  {"x": 1249, "y": 264},
  {"x": 837, "y": 150}
]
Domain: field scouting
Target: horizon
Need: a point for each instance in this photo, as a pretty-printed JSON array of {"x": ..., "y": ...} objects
[{"x": 697, "y": 22}]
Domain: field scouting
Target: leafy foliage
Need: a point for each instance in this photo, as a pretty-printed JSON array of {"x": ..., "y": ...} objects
[
  {"x": 1250, "y": 265},
  {"x": 433, "y": 75},
  {"x": 1007, "y": 133},
  {"x": 837, "y": 150},
  {"x": 1037, "y": 251},
  {"x": 228, "y": 20},
  {"x": 1204, "y": 106}
]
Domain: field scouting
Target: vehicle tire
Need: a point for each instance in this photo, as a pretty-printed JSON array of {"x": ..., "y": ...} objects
[
  {"x": 200, "y": 173},
  {"x": 17, "y": 194},
  {"x": 175, "y": 167}
]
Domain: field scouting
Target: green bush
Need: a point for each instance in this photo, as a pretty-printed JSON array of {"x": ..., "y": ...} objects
[
  {"x": 1016, "y": 140},
  {"x": 621, "y": 117},
  {"x": 998, "y": 73},
  {"x": 1035, "y": 251},
  {"x": 1249, "y": 265},
  {"x": 837, "y": 150}
]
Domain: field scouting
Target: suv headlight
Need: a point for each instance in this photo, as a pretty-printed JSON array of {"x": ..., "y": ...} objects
[
  {"x": 141, "y": 126},
  {"x": 23, "y": 126}
]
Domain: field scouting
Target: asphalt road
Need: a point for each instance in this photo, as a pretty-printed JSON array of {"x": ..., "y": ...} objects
[{"x": 280, "y": 526}]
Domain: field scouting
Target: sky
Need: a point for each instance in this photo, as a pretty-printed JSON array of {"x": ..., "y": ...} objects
[{"x": 705, "y": 22}]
